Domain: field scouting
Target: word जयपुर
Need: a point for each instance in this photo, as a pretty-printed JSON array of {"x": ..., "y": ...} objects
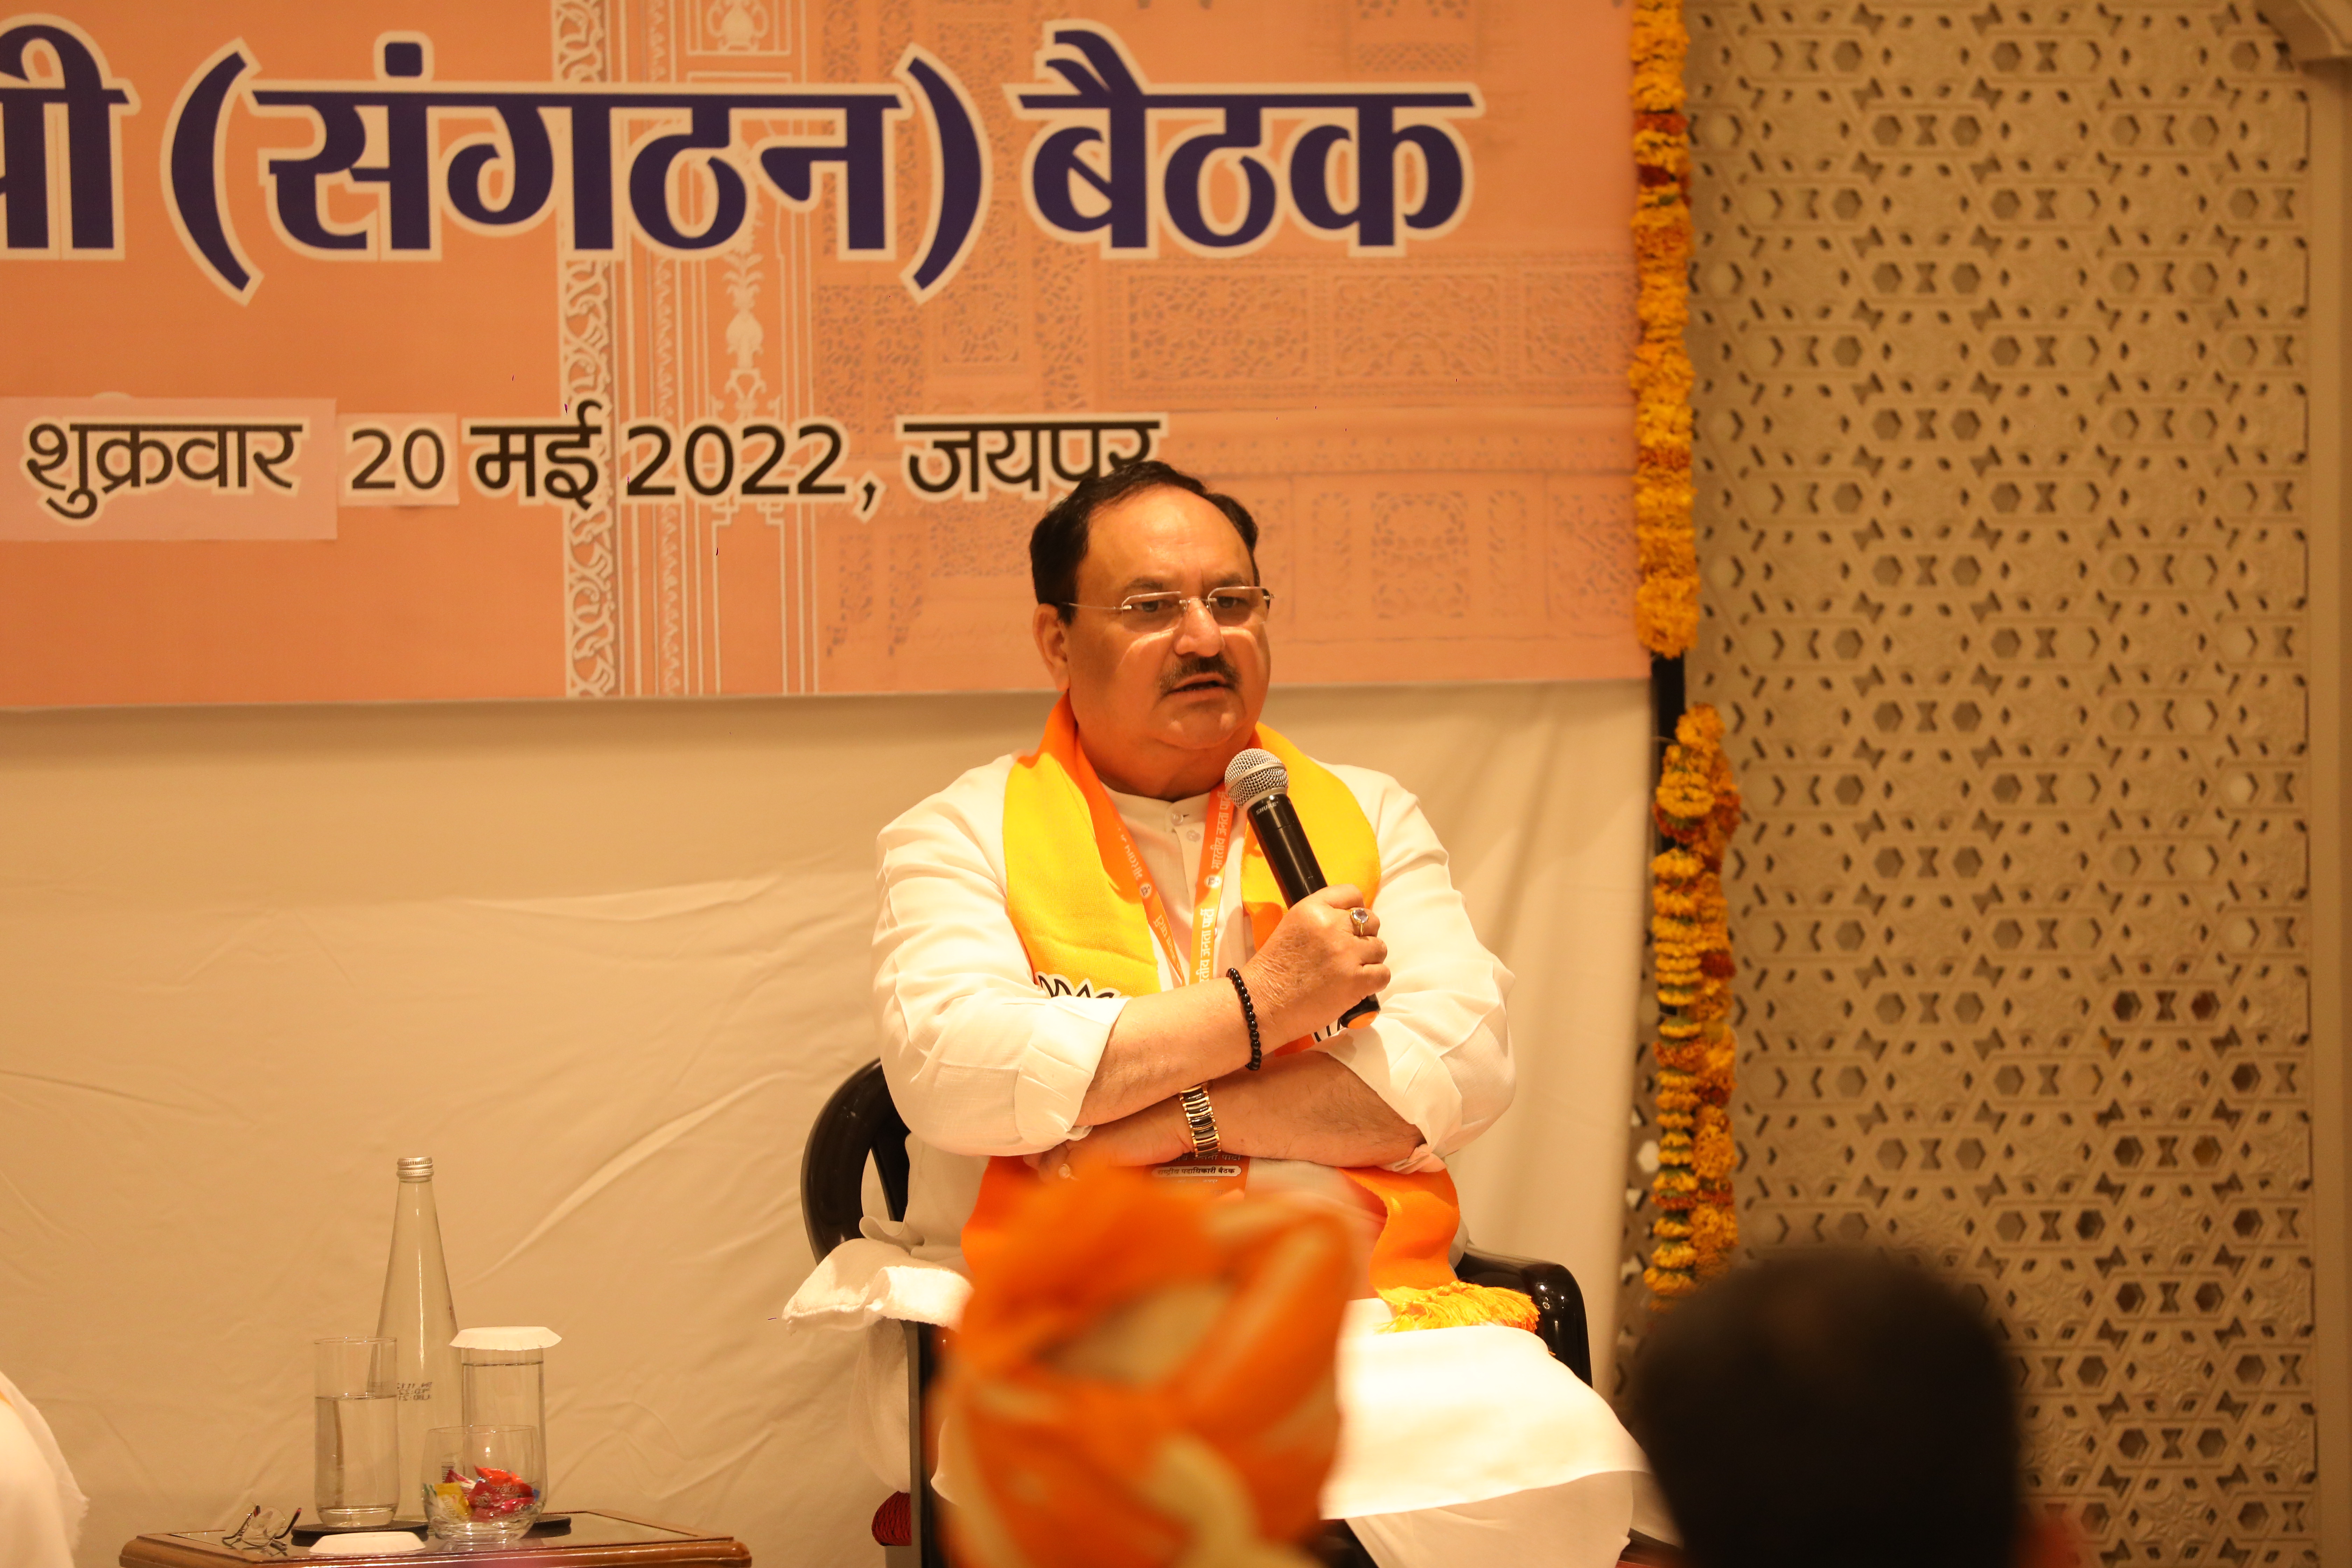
[{"x": 80, "y": 456}]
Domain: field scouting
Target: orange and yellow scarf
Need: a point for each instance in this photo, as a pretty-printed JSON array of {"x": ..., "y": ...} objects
[{"x": 1085, "y": 931}]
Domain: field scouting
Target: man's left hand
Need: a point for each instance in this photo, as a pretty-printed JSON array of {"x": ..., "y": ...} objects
[
  {"x": 1152, "y": 1136},
  {"x": 1305, "y": 1105}
]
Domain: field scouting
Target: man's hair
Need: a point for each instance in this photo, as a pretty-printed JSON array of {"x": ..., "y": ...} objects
[
  {"x": 1829, "y": 1408},
  {"x": 1058, "y": 544}
]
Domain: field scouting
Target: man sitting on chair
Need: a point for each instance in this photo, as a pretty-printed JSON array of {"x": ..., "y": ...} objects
[{"x": 1082, "y": 959}]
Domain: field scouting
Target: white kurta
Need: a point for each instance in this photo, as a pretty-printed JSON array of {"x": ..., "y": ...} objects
[
  {"x": 982, "y": 1062},
  {"x": 41, "y": 1509}
]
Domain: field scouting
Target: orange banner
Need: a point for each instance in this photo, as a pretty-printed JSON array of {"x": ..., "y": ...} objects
[{"x": 675, "y": 347}]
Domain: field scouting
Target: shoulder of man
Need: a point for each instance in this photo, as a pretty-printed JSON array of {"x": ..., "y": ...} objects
[
  {"x": 1381, "y": 797},
  {"x": 970, "y": 807}
]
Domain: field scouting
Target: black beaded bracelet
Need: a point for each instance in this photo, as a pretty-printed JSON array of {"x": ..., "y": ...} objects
[{"x": 1249, "y": 1017}]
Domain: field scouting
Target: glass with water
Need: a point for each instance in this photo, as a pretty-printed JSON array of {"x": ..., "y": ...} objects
[{"x": 357, "y": 1433}]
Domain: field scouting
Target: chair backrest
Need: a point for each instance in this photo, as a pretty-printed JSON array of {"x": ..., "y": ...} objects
[{"x": 858, "y": 1123}]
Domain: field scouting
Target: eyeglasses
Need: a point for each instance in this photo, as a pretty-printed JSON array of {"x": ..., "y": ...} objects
[
  {"x": 263, "y": 1529},
  {"x": 1145, "y": 614}
]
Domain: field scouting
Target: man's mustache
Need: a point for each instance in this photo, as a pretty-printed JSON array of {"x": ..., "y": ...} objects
[{"x": 1193, "y": 667}]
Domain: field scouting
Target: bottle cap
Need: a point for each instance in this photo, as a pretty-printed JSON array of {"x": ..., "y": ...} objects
[
  {"x": 417, "y": 1167},
  {"x": 507, "y": 1340}
]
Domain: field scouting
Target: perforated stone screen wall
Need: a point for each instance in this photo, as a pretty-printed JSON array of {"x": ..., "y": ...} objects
[{"x": 1999, "y": 317}]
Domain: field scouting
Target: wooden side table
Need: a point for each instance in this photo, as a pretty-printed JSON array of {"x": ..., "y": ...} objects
[{"x": 597, "y": 1538}]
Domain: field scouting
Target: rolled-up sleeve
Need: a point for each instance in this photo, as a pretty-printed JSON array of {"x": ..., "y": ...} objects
[
  {"x": 1439, "y": 1052},
  {"x": 979, "y": 1060}
]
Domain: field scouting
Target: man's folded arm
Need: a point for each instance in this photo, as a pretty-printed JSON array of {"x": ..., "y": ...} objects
[
  {"x": 1438, "y": 1054},
  {"x": 1420, "y": 1081},
  {"x": 979, "y": 1060}
]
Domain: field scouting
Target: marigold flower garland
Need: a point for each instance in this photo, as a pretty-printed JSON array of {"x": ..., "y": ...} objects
[
  {"x": 1665, "y": 606},
  {"x": 1698, "y": 807}
]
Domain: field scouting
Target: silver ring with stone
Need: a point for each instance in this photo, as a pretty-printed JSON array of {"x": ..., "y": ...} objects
[{"x": 1360, "y": 917}]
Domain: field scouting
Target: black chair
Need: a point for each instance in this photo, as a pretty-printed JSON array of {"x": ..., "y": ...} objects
[
  {"x": 857, "y": 1124},
  {"x": 860, "y": 1123}
]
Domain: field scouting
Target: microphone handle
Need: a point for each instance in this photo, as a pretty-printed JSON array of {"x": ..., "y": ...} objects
[{"x": 1282, "y": 838}]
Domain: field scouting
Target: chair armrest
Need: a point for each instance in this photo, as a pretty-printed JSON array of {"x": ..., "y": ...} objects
[{"x": 1560, "y": 1305}]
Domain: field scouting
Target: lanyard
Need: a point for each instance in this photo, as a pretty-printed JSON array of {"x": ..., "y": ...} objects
[{"x": 1207, "y": 896}]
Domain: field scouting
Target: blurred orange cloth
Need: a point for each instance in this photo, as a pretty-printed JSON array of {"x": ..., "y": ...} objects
[{"x": 1145, "y": 1377}]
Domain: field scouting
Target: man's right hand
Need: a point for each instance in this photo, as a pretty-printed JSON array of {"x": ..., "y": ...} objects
[{"x": 1315, "y": 967}]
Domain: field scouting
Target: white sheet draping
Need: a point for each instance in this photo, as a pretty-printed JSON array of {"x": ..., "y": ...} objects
[
  {"x": 604, "y": 963},
  {"x": 41, "y": 1505}
]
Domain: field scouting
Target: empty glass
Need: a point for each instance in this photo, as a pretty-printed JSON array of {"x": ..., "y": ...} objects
[
  {"x": 504, "y": 1378},
  {"x": 357, "y": 1433},
  {"x": 483, "y": 1485}
]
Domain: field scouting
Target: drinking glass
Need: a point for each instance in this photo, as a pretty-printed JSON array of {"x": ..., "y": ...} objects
[
  {"x": 483, "y": 1485},
  {"x": 357, "y": 1433}
]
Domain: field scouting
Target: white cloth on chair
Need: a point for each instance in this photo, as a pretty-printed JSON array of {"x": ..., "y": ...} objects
[
  {"x": 41, "y": 1506},
  {"x": 864, "y": 1281},
  {"x": 1582, "y": 1521},
  {"x": 1437, "y": 1417}
]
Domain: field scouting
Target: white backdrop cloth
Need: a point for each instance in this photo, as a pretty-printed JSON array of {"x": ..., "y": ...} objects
[{"x": 604, "y": 963}]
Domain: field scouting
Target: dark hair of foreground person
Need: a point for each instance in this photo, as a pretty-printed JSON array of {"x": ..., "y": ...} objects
[{"x": 1822, "y": 1409}]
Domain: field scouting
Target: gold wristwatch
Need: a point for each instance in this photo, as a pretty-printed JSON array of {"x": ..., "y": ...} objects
[{"x": 1200, "y": 1120}]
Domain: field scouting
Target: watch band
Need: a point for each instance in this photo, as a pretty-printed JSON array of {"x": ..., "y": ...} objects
[{"x": 1199, "y": 1119}]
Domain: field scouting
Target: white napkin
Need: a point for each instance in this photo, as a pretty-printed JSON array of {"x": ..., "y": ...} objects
[
  {"x": 367, "y": 1544},
  {"x": 863, "y": 1282}
]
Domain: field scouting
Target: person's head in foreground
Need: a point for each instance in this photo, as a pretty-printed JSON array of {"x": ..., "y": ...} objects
[
  {"x": 1826, "y": 1408},
  {"x": 1150, "y": 616},
  {"x": 1144, "y": 1376}
]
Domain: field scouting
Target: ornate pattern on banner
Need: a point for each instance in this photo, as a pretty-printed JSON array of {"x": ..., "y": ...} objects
[
  {"x": 1666, "y": 613},
  {"x": 1698, "y": 807},
  {"x": 758, "y": 334},
  {"x": 584, "y": 361}
]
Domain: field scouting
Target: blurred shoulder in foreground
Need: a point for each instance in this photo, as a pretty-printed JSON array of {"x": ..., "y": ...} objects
[{"x": 41, "y": 1509}]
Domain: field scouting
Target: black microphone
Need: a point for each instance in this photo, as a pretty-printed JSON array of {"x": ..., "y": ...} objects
[{"x": 1260, "y": 784}]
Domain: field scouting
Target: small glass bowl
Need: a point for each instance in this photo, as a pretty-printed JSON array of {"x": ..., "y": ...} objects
[{"x": 483, "y": 1485}]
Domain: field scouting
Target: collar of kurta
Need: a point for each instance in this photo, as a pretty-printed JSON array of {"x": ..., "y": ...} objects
[{"x": 1082, "y": 926}]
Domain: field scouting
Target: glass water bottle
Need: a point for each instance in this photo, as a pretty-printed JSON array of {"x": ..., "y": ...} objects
[{"x": 418, "y": 1317}]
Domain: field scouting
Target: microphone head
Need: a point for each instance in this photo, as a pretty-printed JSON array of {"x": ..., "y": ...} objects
[{"x": 1253, "y": 775}]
